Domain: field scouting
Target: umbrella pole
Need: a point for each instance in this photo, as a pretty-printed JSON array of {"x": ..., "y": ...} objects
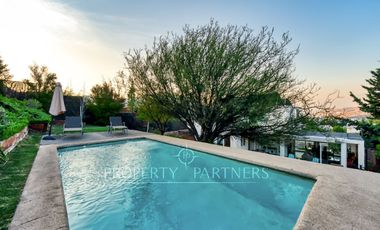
[{"x": 49, "y": 137}]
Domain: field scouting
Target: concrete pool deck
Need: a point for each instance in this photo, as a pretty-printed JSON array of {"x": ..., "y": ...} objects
[{"x": 340, "y": 199}]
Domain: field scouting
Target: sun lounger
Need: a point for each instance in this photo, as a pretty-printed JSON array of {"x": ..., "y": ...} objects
[
  {"x": 116, "y": 123},
  {"x": 73, "y": 124}
]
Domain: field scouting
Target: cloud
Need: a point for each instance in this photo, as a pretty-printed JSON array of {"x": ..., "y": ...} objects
[{"x": 58, "y": 36}]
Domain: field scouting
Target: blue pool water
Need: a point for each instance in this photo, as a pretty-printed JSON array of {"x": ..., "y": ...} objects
[{"x": 144, "y": 184}]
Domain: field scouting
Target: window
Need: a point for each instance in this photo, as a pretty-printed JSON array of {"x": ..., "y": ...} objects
[
  {"x": 242, "y": 141},
  {"x": 300, "y": 147}
]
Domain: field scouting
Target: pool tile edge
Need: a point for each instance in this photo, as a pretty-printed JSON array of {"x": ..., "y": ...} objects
[
  {"x": 42, "y": 204},
  {"x": 329, "y": 204}
]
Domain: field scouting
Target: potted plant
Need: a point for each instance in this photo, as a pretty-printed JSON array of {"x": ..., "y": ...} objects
[
  {"x": 40, "y": 126},
  {"x": 38, "y": 119}
]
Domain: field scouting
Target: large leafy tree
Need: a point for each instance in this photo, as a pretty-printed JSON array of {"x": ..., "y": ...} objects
[
  {"x": 104, "y": 102},
  {"x": 371, "y": 104},
  {"x": 132, "y": 100},
  {"x": 41, "y": 84},
  {"x": 220, "y": 80},
  {"x": 370, "y": 131},
  {"x": 41, "y": 80},
  {"x": 5, "y": 75},
  {"x": 121, "y": 83}
]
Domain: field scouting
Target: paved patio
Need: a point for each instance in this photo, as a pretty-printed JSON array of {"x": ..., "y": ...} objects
[
  {"x": 341, "y": 198},
  {"x": 72, "y": 138}
]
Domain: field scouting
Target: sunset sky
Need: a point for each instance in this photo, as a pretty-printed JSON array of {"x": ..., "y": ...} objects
[{"x": 83, "y": 41}]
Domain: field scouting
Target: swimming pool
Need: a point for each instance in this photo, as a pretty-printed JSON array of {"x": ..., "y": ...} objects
[{"x": 145, "y": 184}]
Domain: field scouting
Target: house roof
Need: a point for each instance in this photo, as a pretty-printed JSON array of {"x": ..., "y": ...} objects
[{"x": 349, "y": 136}]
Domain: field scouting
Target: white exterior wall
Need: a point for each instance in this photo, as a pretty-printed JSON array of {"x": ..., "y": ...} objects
[
  {"x": 236, "y": 142},
  {"x": 343, "y": 154},
  {"x": 361, "y": 155},
  {"x": 283, "y": 150},
  {"x": 252, "y": 145},
  {"x": 246, "y": 144}
]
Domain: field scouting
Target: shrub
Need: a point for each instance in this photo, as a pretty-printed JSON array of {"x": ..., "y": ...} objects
[
  {"x": 33, "y": 103},
  {"x": 104, "y": 102},
  {"x": 339, "y": 129},
  {"x": 16, "y": 115},
  {"x": 148, "y": 110},
  {"x": 38, "y": 116}
]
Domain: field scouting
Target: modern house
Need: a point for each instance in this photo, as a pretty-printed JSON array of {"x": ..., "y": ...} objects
[{"x": 345, "y": 149}]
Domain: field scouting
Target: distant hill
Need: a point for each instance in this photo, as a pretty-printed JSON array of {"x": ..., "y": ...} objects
[{"x": 351, "y": 113}]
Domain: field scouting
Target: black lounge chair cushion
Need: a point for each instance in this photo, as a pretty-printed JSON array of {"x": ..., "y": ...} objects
[
  {"x": 73, "y": 122},
  {"x": 116, "y": 121}
]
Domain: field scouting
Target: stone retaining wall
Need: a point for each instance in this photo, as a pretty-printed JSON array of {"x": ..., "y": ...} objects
[{"x": 9, "y": 144}]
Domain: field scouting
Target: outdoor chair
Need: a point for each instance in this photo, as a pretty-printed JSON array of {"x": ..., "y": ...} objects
[
  {"x": 316, "y": 159},
  {"x": 73, "y": 124},
  {"x": 116, "y": 123}
]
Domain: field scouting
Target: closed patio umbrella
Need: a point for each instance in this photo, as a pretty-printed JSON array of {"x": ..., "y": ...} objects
[{"x": 57, "y": 107}]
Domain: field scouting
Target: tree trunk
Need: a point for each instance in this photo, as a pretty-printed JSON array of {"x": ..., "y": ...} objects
[
  {"x": 161, "y": 127},
  {"x": 193, "y": 131},
  {"x": 208, "y": 136}
]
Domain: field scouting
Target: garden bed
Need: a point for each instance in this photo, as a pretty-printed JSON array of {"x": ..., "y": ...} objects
[
  {"x": 15, "y": 115},
  {"x": 10, "y": 143}
]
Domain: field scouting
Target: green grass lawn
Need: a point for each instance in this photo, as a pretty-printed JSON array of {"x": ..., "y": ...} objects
[
  {"x": 13, "y": 176},
  {"x": 58, "y": 129}
]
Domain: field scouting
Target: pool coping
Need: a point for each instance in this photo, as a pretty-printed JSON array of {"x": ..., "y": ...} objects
[{"x": 349, "y": 197}]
